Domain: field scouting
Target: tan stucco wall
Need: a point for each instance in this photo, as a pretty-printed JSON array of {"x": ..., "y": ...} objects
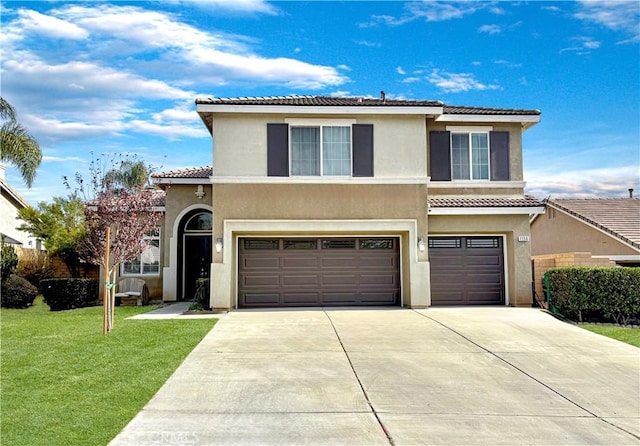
[
  {"x": 399, "y": 143},
  {"x": 556, "y": 232},
  {"x": 346, "y": 209},
  {"x": 518, "y": 254},
  {"x": 515, "y": 141}
]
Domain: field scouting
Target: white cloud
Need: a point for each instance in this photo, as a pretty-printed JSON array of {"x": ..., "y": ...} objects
[
  {"x": 367, "y": 43},
  {"x": 591, "y": 183},
  {"x": 457, "y": 82},
  {"x": 244, "y": 6},
  {"x": 399, "y": 70},
  {"x": 621, "y": 16},
  {"x": 582, "y": 45},
  {"x": 411, "y": 80},
  {"x": 432, "y": 11},
  {"x": 50, "y": 26},
  {"x": 490, "y": 29}
]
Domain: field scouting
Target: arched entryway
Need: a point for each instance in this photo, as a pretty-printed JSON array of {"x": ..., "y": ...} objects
[{"x": 194, "y": 251}]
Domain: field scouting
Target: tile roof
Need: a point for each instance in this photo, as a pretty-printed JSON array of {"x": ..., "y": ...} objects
[
  {"x": 490, "y": 202},
  {"x": 619, "y": 217},
  {"x": 319, "y": 101},
  {"x": 330, "y": 101},
  {"x": 460, "y": 110},
  {"x": 203, "y": 172}
]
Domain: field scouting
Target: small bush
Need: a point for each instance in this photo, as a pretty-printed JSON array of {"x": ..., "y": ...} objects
[
  {"x": 34, "y": 266},
  {"x": 599, "y": 294},
  {"x": 17, "y": 292},
  {"x": 8, "y": 261},
  {"x": 202, "y": 294},
  {"x": 66, "y": 294}
]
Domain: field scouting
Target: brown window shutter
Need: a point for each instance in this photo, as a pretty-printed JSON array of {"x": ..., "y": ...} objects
[
  {"x": 499, "y": 153},
  {"x": 440, "y": 155},
  {"x": 278, "y": 150},
  {"x": 362, "y": 150}
]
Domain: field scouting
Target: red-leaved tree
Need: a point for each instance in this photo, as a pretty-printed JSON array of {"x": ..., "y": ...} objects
[{"x": 120, "y": 213}]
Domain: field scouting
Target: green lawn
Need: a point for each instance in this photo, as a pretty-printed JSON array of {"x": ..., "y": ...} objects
[
  {"x": 64, "y": 383},
  {"x": 624, "y": 334}
]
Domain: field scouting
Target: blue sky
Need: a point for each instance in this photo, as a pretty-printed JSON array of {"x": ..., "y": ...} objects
[{"x": 122, "y": 77}]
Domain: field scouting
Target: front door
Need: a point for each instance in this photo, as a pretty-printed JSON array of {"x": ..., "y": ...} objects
[{"x": 197, "y": 261}]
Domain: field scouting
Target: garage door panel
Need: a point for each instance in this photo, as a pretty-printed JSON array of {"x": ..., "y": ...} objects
[
  {"x": 259, "y": 299},
  {"x": 388, "y": 298},
  {"x": 318, "y": 271},
  {"x": 337, "y": 262},
  {"x": 379, "y": 262},
  {"x": 300, "y": 298},
  {"x": 487, "y": 278},
  {"x": 484, "y": 260},
  {"x": 260, "y": 281},
  {"x": 466, "y": 270},
  {"x": 339, "y": 280},
  {"x": 261, "y": 262},
  {"x": 378, "y": 279},
  {"x": 299, "y": 262},
  {"x": 300, "y": 280}
]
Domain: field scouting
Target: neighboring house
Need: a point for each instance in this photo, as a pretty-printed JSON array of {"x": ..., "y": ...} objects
[
  {"x": 607, "y": 228},
  {"x": 10, "y": 204},
  {"x": 352, "y": 201}
]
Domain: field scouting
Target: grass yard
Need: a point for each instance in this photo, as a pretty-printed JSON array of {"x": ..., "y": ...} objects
[
  {"x": 64, "y": 383},
  {"x": 624, "y": 334}
]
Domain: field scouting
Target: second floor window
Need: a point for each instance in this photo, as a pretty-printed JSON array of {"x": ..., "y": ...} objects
[
  {"x": 321, "y": 151},
  {"x": 470, "y": 156}
]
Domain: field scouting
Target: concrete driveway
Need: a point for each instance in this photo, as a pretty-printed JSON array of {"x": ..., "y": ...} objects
[{"x": 445, "y": 376}]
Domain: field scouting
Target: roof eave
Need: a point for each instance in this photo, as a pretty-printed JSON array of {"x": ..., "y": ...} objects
[
  {"x": 527, "y": 121},
  {"x": 487, "y": 210}
]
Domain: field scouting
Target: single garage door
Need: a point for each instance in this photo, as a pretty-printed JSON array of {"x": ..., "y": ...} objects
[
  {"x": 283, "y": 272},
  {"x": 466, "y": 270}
]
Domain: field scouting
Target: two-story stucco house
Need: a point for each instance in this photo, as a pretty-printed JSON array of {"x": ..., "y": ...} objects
[
  {"x": 356, "y": 201},
  {"x": 319, "y": 201}
]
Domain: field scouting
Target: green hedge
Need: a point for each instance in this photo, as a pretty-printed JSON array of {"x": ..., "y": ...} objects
[
  {"x": 66, "y": 294},
  {"x": 600, "y": 294},
  {"x": 17, "y": 292}
]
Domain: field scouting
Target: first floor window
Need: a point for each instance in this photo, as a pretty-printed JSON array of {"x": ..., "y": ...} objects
[
  {"x": 470, "y": 156},
  {"x": 147, "y": 263},
  {"x": 321, "y": 151}
]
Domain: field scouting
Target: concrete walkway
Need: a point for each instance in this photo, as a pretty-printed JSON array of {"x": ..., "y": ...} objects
[
  {"x": 446, "y": 376},
  {"x": 178, "y": 310}
]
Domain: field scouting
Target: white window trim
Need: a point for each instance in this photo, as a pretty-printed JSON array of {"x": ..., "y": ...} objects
[
  {"x": 469, "y": 130},
  {"x": 301, "y": 122},
  {"x": 142, "y": 273}
]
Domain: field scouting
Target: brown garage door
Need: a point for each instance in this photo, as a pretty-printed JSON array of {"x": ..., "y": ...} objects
[
  {"x": 466, "y": 270},
  {"x": 318, "y": 272}
]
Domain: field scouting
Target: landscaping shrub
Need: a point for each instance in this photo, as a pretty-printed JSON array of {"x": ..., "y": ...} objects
[
  {"x": 599, "y": 294},
  {"x": 66, "y": 294},
  {"x": 17, "y": 292},
  {"x": 201, "y": 299},
  {"x": 8, "y": 261},
  {"x": 34, "y": 266}
]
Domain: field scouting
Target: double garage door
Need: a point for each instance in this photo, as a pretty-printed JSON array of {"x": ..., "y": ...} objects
[
  {"x": 279, "y": 272},
  {"x": 467, "y": 270}
]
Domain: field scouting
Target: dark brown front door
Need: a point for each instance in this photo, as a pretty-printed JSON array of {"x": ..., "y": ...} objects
[
  {"x": 281, "y": 272},
  {"x": 467, "y": 270}
]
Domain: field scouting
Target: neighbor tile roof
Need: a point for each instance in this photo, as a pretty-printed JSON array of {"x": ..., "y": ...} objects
[
  {"x": 491, "y": 202},
  {"x": 190, "y": 172},
  {"x": 619, "y": 217},
  {"x": 330, "y": 101}
]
